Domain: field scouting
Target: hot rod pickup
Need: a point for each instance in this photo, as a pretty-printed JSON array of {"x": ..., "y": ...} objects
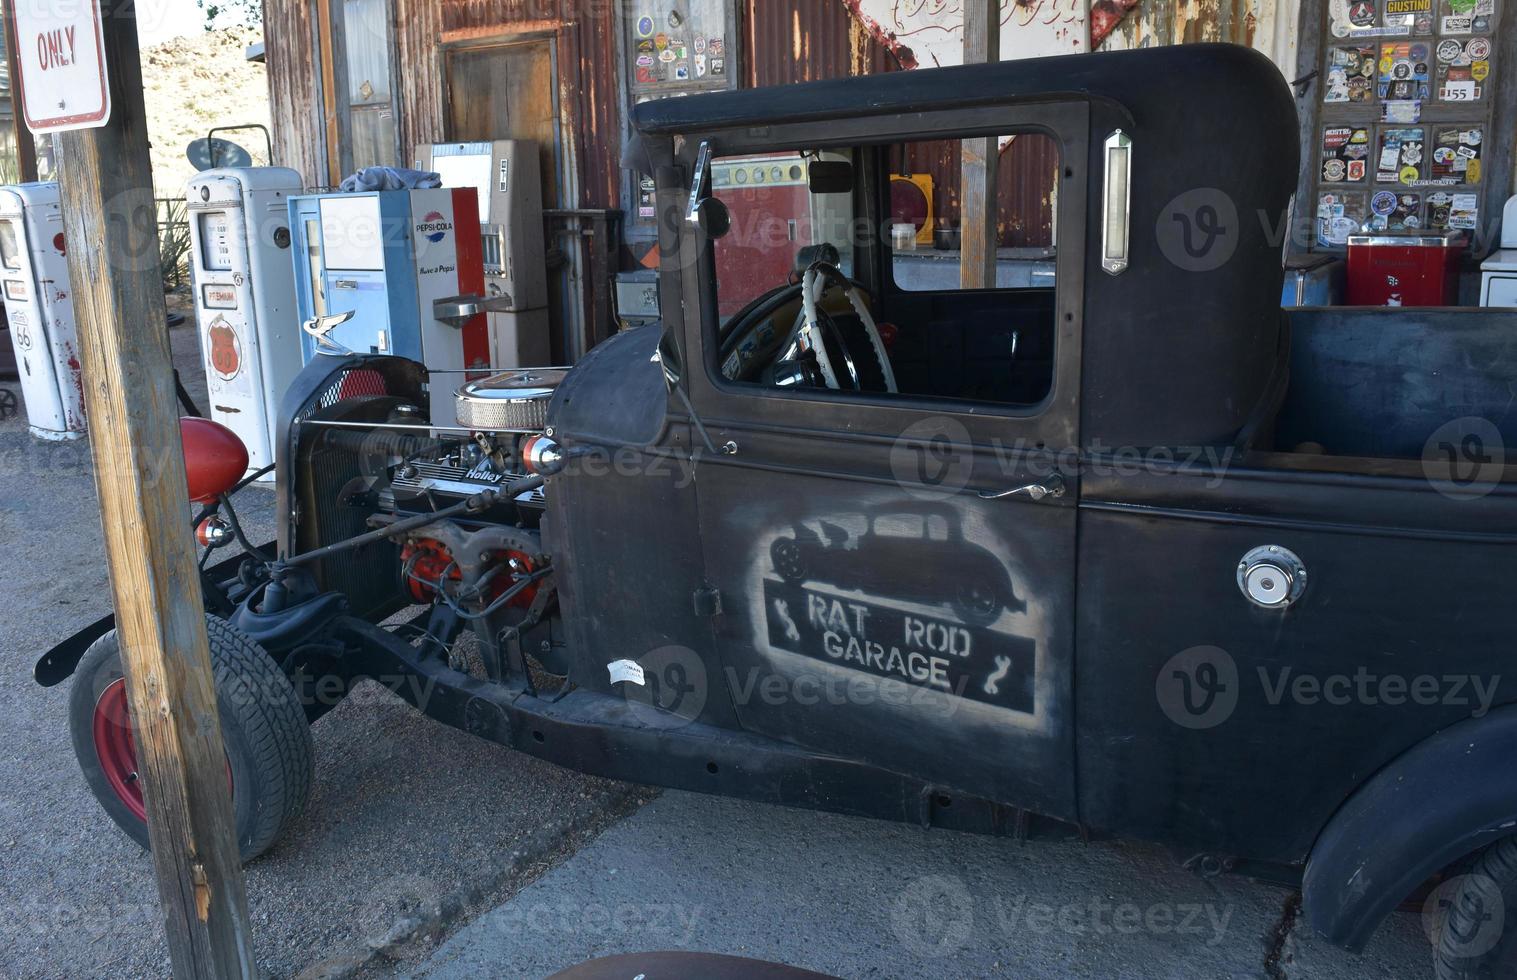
[{"x": 1113, "y": 542}]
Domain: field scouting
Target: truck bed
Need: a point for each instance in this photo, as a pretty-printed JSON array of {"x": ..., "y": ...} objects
[{"x": 1378, "y": 383}]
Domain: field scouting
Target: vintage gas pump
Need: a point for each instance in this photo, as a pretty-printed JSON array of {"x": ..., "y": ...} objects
[
  {"x": 508, "y": 177},
  {"x": 39, "y": 309},
  {"x": 396, "y": 272},
  {"x": 245, "y": 298}
]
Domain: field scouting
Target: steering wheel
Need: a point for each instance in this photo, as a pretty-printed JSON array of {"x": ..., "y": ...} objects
[
  {"x": 806, "y": 354},
  {"x": 808, "y": 338}
]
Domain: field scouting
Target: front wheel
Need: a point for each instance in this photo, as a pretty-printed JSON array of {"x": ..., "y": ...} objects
[
  {"x": 1477, "y": 918},
  {"x": 267, "y": 739}
]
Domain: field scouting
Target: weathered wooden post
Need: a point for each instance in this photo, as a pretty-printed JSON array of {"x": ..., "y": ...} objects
[
  {"x": 982, "y": 158},
  {"x": 71, "y": 60}
]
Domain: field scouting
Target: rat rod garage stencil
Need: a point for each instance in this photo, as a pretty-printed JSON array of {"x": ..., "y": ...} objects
[
  {"x": 838, "y": 596},
  {"x": 904, "y": 630}
]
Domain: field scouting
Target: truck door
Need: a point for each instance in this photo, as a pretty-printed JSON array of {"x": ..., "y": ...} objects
[{"x": 896, "y": 568}]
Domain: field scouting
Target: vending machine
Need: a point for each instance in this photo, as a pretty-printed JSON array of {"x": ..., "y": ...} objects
[
  {"x": 245, "y": 298},
  {"x": 40, "y": 311},
  {"x": 508, "y": 177},
  {"x": 396, "y": 272}
]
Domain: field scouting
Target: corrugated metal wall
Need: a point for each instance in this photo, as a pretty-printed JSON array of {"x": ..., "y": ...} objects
[
  {"x": 807, "y": 41},
  {"x": 786, "y": 41}
]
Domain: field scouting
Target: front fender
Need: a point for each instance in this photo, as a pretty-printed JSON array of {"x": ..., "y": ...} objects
[
  {"x": 59, "y": 663},
  {"x": 1446, "y": 797}
]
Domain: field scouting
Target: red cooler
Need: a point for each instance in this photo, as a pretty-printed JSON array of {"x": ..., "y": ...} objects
[{"x": 1404, "y": 270}]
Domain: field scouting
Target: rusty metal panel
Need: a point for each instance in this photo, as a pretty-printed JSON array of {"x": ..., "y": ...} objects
[
  {"x": 789, "y": 41},
  {"x": 1268, "y": 26},
  {"x": 294, "y": 88}
]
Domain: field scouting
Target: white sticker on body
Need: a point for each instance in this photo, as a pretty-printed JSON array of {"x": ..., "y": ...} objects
[{"x": 627, "y": 670}]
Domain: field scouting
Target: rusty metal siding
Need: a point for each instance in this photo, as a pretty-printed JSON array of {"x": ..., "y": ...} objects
[
  {"x": 295, "y": 88},
  {"x": 789, "y": 41}
]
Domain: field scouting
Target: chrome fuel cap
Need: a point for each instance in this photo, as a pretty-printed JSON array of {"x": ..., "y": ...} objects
[{"x": 1272, "y": 577}]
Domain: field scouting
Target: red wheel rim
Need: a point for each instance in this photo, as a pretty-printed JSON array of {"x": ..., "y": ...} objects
[{"x": 116, "y": 747}]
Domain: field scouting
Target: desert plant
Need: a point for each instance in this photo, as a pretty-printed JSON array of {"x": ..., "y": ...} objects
[{"x": 173, "y": 242}]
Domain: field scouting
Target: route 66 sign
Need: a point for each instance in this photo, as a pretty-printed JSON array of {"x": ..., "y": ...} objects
[{"x": 60, "y": 65}]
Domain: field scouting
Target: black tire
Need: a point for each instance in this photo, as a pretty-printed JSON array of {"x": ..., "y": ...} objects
[
  {"x": 1477, "y": 938},
  {"x": 789, "y": 558},
  {"x": 264, "y": 728},
  {"x": 977, "y": 600}
]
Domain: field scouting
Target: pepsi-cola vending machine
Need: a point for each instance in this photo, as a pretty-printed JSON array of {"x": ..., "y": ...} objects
[{"x": 408, "y": 266}]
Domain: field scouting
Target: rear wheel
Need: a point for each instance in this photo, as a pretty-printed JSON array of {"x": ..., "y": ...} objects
[
  {"x": 267, "y": 739},
  {"x": 1476, "y": 915},
  {"x": 977, "y": 601}
]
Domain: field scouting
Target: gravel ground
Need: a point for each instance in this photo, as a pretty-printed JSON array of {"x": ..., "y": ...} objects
[{"x": 407, "y": 814}]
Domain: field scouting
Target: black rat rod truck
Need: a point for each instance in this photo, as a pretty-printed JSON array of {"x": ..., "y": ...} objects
[{"x": 1105, "y": 544}]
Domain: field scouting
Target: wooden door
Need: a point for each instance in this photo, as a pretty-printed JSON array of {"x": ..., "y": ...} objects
[{"x": 507, "y": 91}]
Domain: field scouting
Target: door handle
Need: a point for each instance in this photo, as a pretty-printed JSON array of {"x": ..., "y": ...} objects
[{"x": 1054, "y": 486}]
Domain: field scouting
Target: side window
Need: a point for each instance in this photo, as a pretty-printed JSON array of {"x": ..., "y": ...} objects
[
  {"x": 775, "y": 216},
  {"x": 793, "y": 222},
  {"x": 926, "y": 223}
]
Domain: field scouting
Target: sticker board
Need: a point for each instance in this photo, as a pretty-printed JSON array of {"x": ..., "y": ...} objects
[
  {"x": 1413, "y": 17},
  {"x": 1467, "y": 17},
  {"x": 1418, "y": 78},
  {"x": 1453, "y": 210},
  {"x": 1404, "y": 69},
  {"x": 1345, "y": 154},
  {"x": 1351, "y": 73},
  {"x": 1395, "y": 211},
  {"x": 1456, "y": 154},
  {"x": 1401, "y": 157},
  {"x": 678, "y": 49},
  {"x": 1339, "y": 215}
]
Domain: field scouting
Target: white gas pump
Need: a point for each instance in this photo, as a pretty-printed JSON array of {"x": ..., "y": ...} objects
[
  {"x": 508, "y": 176},
  {"x": 40, "y": 311},
  {"x": 245, "y": 298}
]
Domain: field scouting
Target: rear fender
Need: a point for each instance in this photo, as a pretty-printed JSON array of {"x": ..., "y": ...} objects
[{"x": 1443, "y": 799}]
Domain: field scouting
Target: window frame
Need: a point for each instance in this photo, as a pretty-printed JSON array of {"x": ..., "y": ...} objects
[{"x": 1054, "y": 422}]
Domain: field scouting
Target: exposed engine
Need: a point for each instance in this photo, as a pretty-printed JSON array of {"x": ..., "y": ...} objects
[
  {"x": 454, "y": 511},
  {"x": 479, "y": 568}
]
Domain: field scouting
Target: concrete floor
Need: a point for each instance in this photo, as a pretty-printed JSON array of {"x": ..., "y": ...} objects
[{"x": 861, "y": 898}]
